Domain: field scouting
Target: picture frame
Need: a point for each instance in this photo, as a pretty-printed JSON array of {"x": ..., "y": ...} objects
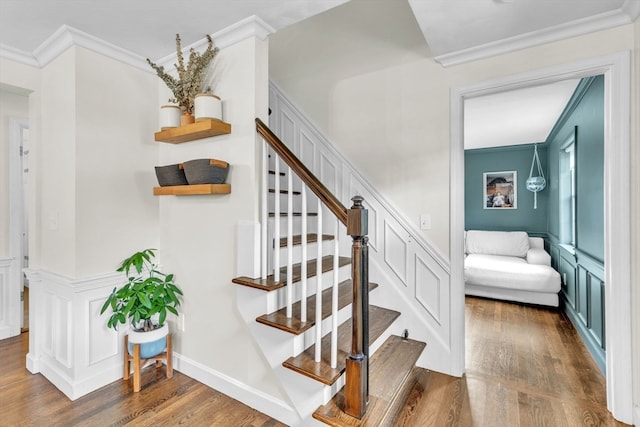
[{"x": 500, "y": 190}]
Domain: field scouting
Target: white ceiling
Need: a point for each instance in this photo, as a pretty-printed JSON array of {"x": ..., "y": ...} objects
[
  {"x": 455, "y": 31},
  {"x": 522, "y": 116}
]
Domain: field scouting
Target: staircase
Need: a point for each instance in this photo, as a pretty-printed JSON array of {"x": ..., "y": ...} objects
[{"x": 333, "y": 353}]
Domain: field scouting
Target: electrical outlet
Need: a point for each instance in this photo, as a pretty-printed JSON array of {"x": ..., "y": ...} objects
[{"x": 425, "y": 222}]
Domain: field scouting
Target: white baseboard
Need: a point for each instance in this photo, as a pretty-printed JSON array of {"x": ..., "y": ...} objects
[
  {"x": 248, "y": 395},
  {"x": 76, "y": 389}
]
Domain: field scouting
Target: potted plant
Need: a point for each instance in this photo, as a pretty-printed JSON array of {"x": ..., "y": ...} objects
[
  {"x": 144, "y": 301},
  {"x": 190, "y": 77}
]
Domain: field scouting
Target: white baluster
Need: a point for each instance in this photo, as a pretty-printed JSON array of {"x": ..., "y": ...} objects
[
  {"x": 289, "y": 242},
  {"x": 276, "y": 221},
  {"x": 334, "y": 299},
  {"x": 265, "y": 211},
  {"x": 318, "y": 354},
  {"x": 303, "y": 262}
]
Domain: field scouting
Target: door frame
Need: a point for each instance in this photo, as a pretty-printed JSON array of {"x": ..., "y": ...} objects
[
  {"x": 616, "y": 69},
  {"x": 16, "y": 221}
]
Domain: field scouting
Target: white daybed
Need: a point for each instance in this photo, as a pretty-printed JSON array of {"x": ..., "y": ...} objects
[{"x": 509, "y": 265}]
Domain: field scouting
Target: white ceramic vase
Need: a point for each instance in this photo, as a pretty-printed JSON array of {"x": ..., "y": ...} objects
[
  {"x": 207, "y": 106},
  {"x": 169, "y": 116}
]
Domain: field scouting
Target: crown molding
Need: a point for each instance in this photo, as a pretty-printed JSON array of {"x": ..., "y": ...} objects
[
  {"x": 17, "y": 55},
  {"x": 252, "y": 26},
  {"x": 625, "y": 15},
  {"x": 65, "y": 37}
]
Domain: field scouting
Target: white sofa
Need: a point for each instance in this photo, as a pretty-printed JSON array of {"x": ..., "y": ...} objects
[{"x": 509, "y": 265}]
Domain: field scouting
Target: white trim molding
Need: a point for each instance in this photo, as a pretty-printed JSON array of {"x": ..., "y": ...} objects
[
  {"x": 66, "y": 36},
  {"x": 616, "y": 69},
  {"x": 251, "y": 26},
  {"x": 625, "y": 15},
  {"x": 248, "y": 395}
]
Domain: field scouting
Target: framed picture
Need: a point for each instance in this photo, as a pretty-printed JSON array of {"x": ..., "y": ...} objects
[{"x": 500, "y": 190}]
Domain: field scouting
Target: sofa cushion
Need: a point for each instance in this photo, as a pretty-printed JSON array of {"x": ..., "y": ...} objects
[
  {"x": 497, "y": 271},
  {"x": 507, "y": 243}
]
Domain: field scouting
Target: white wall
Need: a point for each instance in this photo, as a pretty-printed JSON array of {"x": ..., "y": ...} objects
[
  {"x": 199, "y": 233},
  {"x": 12, "y": 104},
  {"x": 116, "y": 213}
]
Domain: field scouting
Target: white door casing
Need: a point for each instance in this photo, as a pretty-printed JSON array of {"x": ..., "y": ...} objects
[{"x": 616, "y": 70}]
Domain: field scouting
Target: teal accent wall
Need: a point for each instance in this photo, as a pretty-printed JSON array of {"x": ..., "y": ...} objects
[
  {"x": 585, "y": 116},
  {"x": 515, "y": 157}
]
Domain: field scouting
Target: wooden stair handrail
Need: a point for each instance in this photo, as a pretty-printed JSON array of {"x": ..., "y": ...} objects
[{"x": 303, "y": 172}]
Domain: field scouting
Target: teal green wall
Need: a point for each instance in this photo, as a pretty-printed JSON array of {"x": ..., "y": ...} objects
[
  {"x": 587, "y": 117},
  {"x": 518, "y": 158}
]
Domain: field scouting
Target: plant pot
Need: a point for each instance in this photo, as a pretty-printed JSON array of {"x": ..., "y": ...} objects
[
  {"x": 169, "y": 116},
  {"x": 170, "y": 175},
  {"x": 206, "y": 171},
  {"x": 207, "y": 106},
  {"x": 151, "y": 343},
  {"x": 186, "y": 119}
]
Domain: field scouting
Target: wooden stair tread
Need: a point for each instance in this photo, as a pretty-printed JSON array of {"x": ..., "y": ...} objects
[
  {"x": 269, "y": 284},
  {"x": 390, "y": 368},
  {"x": 379, "y": 320},
  {"x": 295, "y": 325},
  {"x": 274, "y": 172},
  {"x": 311, "y": 238}
]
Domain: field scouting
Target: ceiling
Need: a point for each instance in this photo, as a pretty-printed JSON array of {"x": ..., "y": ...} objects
[
  {"x": 521, "y": 116},
  {"x": 455, "y": 31}
]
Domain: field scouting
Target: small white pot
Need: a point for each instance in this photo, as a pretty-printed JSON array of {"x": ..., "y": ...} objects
[
  {"x": 207, "y": 106},
  {"x": 169, "y": 116}
]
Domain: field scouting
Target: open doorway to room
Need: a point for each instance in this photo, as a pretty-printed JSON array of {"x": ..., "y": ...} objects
[
  {"x": 616, "y": 179},
  {"x": 14, "y": 109}
]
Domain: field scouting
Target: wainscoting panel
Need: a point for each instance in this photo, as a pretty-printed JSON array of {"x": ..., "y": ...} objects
[
  {"x": 396, "y": 251},
  {"x": 428, "y": 288},
  {"x": 70, "y": 344},
  {"x": 583, "y": 295}
]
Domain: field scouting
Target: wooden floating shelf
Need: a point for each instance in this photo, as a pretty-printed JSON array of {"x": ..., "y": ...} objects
[
  {"x": 202, "y": 129},
  {"x": 191, "y": 190}
]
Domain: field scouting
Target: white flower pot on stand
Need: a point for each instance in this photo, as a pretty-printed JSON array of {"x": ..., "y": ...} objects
[
  {"x": 151, "y": 343},
  {"x": 207, "y": 106}
]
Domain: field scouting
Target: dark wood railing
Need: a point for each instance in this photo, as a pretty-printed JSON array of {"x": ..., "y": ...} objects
[{"x": 356, "y": 220}]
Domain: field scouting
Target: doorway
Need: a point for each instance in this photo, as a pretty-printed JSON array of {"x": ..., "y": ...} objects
[{"x": 616, "y": 69}]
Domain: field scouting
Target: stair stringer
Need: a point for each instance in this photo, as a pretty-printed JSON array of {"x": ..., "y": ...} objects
[{"x": 415, "y": 277}]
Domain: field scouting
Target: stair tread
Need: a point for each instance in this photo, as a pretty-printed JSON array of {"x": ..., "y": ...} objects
[
  {"x": 295, "y": 325},
  {"x": 379, "y": 320},
  {"x": 390, "y": 368},
  {"x": 311, "y": 238},
  {"x": 269, "y": 284},
  {"x": 294, "y": 192},
  {"x": 274, "y": 172}
]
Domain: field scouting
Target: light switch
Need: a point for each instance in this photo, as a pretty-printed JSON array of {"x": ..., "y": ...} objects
[{"x": 425, "y": 222}]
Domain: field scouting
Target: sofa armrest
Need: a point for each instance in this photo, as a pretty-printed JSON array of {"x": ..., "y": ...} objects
[{"x": 538, "y": 256}]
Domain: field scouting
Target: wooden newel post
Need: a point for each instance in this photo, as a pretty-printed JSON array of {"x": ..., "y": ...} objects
[{"x": 357, "y": 364}]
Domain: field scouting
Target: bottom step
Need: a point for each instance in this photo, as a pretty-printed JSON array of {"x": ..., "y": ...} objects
[{"x": 389, "y": 369}]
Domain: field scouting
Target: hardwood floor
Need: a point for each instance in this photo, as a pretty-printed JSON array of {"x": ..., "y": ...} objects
[
  {"x": 526, "y": 366},
  {"x": 31, "y": 400}
]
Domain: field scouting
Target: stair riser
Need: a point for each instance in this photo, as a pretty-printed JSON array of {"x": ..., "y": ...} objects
[
  {"x": 312, "y": 204},
  {"x": 312, "y": 252},
  {"x": 308, "y": 338},
  {"x": 279, "y": 297}
]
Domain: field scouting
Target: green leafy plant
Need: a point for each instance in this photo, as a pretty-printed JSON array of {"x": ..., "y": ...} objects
[
  {"x": 189, "y": 82},
  {"x": 147, "y": 295}
]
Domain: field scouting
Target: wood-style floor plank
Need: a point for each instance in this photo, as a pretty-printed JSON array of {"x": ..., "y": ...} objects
[{"x": 31, "y": 400}]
